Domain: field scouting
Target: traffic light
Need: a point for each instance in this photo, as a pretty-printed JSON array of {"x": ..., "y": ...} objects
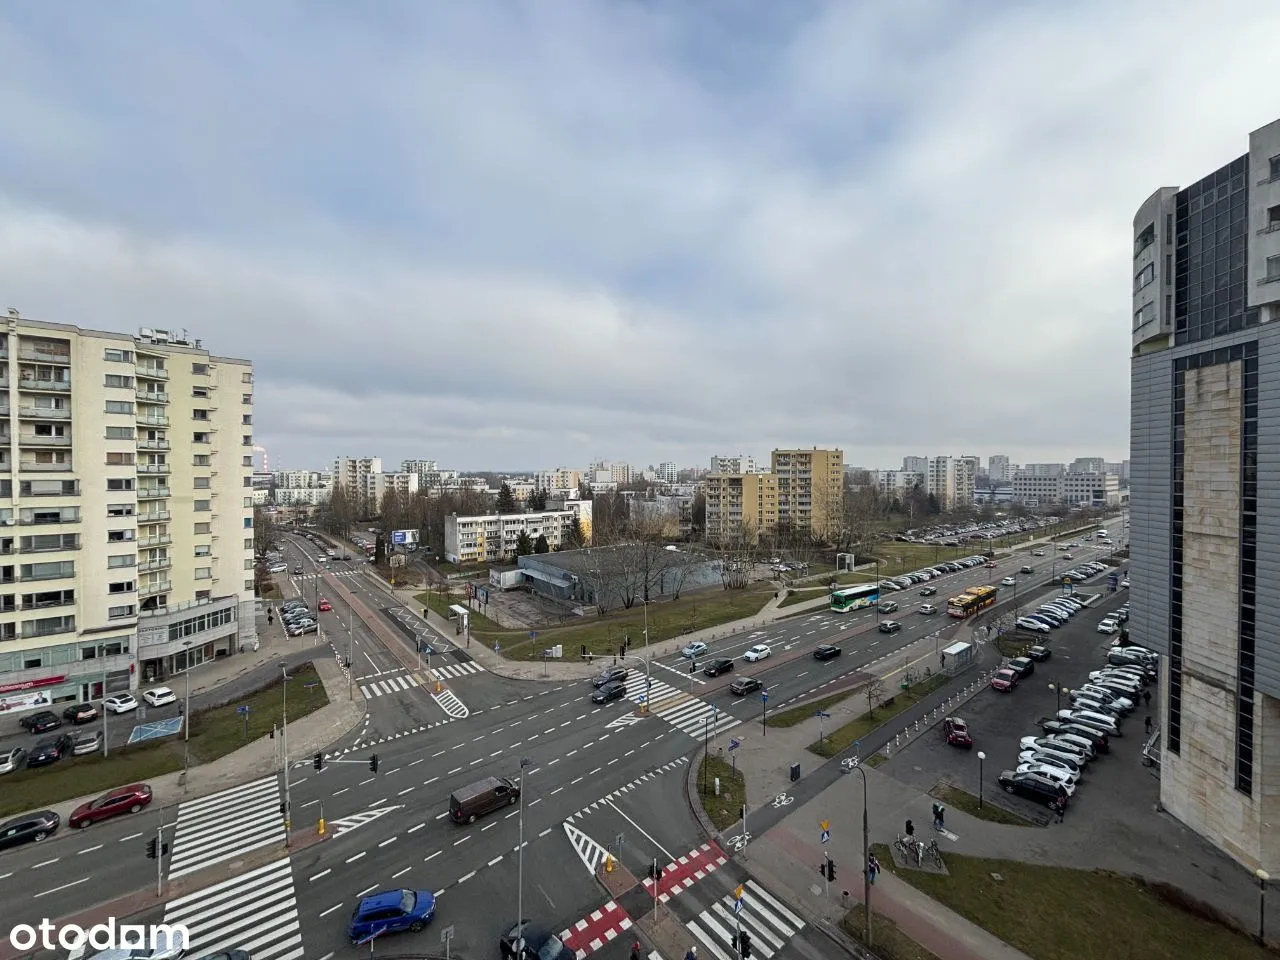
[
  {"x": 373, "y": 763},
  {"x": 831, "y": 869},
  {"x": 152, "y": 848},
  {"x": 318, "y": 761},
  {"x": 744, "y": 945}
]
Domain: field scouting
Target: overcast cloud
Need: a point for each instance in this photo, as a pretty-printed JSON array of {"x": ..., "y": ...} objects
[{"x": 520, "y": 235}]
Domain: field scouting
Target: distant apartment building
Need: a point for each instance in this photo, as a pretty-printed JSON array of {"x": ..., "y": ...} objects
[
  {"x": 810, "y": 489},
  {"x": 739, "y": 464},
  {"x": 561, "y": 478},
  {"x": 740, "y": 504},
  {"x": 622, "y": 473},
  {"x": 897, "y": 483},
  {"x": 1042, "y": 469},
  {"x": 299, "y": 488},
  {"x": 364, "y": 483},
  {"x": 667, "y": 471},
  {"x": 521, "y": 490},
  {"x": 915, "y": 465},
  {"x": 492, "y": 538},
  {"x": 1076, "y": 489},
  {"x": 951, "y": 481},
  {"x": 1087, "y": 465},
  {"x": 350, "y": 473},
  {"x": 999, "y": 469}
]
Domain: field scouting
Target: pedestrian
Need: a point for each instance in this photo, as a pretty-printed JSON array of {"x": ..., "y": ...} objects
[
  {"x": 942, "y": 812},
  {"x": 1146, "y": 697},
  {"x": 1061, "y": 808},
  {"x": 911, "y": 829},
  {"x": 873, "y": 867},
  {"x": 692, "y": 954},
  {"x": 1148, "y": 724},
  {"x": 635, "y": 950}
]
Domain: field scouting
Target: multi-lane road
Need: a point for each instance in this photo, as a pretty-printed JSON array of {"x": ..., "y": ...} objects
[{"x": 595, "y": 777}]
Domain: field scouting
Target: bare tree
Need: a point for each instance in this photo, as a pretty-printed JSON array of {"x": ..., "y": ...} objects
[
  {"x": 680, "y": 564},
  {"x": 339, "y": 512},
  {"x": 601, "y": 576},
  {"x": 266, "y": 533},
  {"x": 738, "y": 556},
  {"x": 874, "y": 692}
]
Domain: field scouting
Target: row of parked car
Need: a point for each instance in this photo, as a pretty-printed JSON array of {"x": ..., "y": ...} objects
[
  {"x": 1050, "y": 765},
  {"x": 1051, "y": 614},
  {"x": 297, "y": 619},
  {"x": 926, "y": 574}
]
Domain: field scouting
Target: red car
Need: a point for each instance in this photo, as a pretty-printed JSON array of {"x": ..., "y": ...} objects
[
  {"x": 957, "y": 732},
  {"x": 325, "y": 605},
  {"x": 128, "y": 799},
  {"x": 1004, "y": 680}
]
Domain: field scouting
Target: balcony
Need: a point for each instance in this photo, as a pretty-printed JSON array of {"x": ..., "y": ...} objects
[
  {"x": 44, "y": 386},
  {"x": 159, "y": 540},
  {"x": 38, "y": 440},
  {"x": 152, "y": 396},
  {"x": 44, "y": 413},
  {"x": 38, "y": 355},
  {"x": 154, "y": 468},
  {"x": 153, "y": 444},
  {"x": 153, "y": 493},
  {"x": 153, "y": 516},
  {"x": 150, "y": 421},
  {"x": 151, "y": 372},
  {"x": 43, "y": 467},
  {"x": 151, "y": 589},
  {"x": 162, "y": 564}
]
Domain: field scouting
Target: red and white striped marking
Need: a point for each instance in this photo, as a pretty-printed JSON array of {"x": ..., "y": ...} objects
[
  {"x": 596, "y": 929},
  {"x": 681, "y": 874}
]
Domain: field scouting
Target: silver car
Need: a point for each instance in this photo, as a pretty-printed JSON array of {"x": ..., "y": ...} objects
[
  {"x": 12, "y": 759},
  {"x": 88, "y": 742}
]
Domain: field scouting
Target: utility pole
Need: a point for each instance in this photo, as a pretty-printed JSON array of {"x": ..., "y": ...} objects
[
  {"x": 106, "y": 740},
  {"x": 284, "y": 750}
]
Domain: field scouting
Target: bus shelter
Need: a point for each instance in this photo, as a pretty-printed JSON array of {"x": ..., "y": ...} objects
[{"x": 957, "y": 658}]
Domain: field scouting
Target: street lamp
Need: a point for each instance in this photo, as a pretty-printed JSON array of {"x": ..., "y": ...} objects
[
  {"x": 186, "y": 709},
  {"x": 1263, "y": 877},
  {"x": 866, "y": 856},
  {"x": 1059, "y": 690},
  {"x": 284, "y": 743},
  {"x": 981, "y": 757},
  {"x": 524, "y": 762}
]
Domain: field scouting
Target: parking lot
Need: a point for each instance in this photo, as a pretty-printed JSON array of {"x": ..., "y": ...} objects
[{"x": 997, "y": 722}]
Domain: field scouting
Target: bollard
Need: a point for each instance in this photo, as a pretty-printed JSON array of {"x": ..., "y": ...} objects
[
  {"x": 917, "y": 726},
  {"x": 895, "y": 741}
]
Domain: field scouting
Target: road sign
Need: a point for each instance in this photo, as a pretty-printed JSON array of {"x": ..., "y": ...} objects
[
  {"x": 737, "y": 899},
  {"x": 826, "y": 831},
  {"x": 734, "y": 744},
  {"x": 764, "y": 696},
  {"x": 823, "y": 715},
  {"x": 242, "y": 710},
  {"x": 533, "y": 634},
  {"x": 446, "y": 934}
]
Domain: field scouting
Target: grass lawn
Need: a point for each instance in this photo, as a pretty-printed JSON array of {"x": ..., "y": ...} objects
[
  {"x": 440, "y": 603},
  {"x": 214, "y": 734},
  {"x": 840, "y": 739},
  {"x": 726, "y": 809},
  {"x": 603, "y": 635},
  {"x": 1054, "y": 913},
  {"x": 888, "y": 942},
  {"x": 801, "y": 594},
  {"x": 794, "y": 715},
  {"x": 958, "y": 799}
]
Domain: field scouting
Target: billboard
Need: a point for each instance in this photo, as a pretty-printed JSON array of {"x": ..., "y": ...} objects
[{"x": 404, "y": 538}]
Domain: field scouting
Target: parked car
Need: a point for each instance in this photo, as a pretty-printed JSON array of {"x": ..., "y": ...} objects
[
  {"x": 744, "y": 685},
  {"x": 890, "y": 626},
  {"x": 86, "y": 742},
  {"x": 614, "y": 690},
  {"x": 1022, "y": 666},
  {"x": 1033, "y": 787},
  {"x": 299, "y": 629},
  {"x": 120, "y": 703},
  {"x": 1048, "y": 771},
  {"x": 695, "y": 649},
  {"x": 41, "y": 722},
  {"x": 956, "y": 732},
  {"x": 1035, "y": 626},
  {"x": 609, "y": 675},
  {"x": 160, "y": 697},
  {"x": 1052, "y": 760},
  {"x": 80, "y": 713},
  {"x": 13, "y": 758},
  {"x": 718, "y": 666},
  {"x": 391, "y": 911},
  {"x": 1004, "y": 680},
  {"x": 29, "y": 828},
  {"x": 528, "y": 940},
  {"x": 758, "y": 652},
  {"x": 49, "y": 750},
  {"x": 1108, "y": 627},
  {"x": 826, "y": 652},
  {"x": 129, "y": 799},
  {"x": 1039, "y": 654}
]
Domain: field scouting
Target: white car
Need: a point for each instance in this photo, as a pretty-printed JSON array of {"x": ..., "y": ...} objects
[
  {"x": 1058, "y": 774},
  {"x": 928, "y": 608},
  {"x": 1108, "y": 627},
  {"x": 695, "y": 649},
  {"x": 1125, "y": 583},
  {"x": 120, "y": 703},
  {"x": 160, "y": 696},
  {"x": 758, "y": 652},
  {"x": 277, "y": 568},
  {"x": 1054, "y": 748},
  {"x": 1037, "y": 553},
  {"x": 1008, "y": 582},
  {"x": 1035, "y": 626}
]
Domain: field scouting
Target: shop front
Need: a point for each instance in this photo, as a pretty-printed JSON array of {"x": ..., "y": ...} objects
[{"x": 173, "y": 640}]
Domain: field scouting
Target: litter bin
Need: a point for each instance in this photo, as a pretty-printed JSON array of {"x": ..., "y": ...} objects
[{"x": 795, "y": 772}]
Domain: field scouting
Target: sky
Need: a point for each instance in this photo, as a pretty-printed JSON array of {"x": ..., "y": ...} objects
[{"x": 519, "y": 235}]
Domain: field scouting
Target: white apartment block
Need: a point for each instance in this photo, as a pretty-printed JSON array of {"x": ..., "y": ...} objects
[
  {"x": 378, "y": 485},
  {"x": 898, "y": 482},
  {"x": 350, "y": 474},
  {"x": 419, "y": 466},
  {"x": 134, "y": 459},
  {"x": 521, "y": 489},
  {"x": 561, "y": 478},
  {"x": 1074, "y": 489},
  {"x": 667, "y": 471},
  {"x": 951, "y": 480},
  {"x": 1087, "y": 465},
  {"x": 999, "y": 469},
  {"x": 622, "y": 473},
  {"x": 1042, "y": 470},
  {"x": 739, "y": 464},
  {"x": 301, "y": 488},
  {"x": 492, "y": 538},
  {"x": 915, "y": 465}
]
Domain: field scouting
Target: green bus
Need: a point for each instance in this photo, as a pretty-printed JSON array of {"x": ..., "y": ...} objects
[{"x": 854, "y": 598}]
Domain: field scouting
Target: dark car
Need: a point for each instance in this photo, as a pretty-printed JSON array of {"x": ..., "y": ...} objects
[
  {"x": 613, "y": 690},
  {"x": 1033, "y": 787},
  {"x": 80, "y": 712},
  {"x": 28, "y": 828},
  {"x": 609, "y": 675},
  {"x": 528, "y": 940},
  {"x": 957, "y": 732},
  {"x": 128, "y": 799},
  {"x": 826, "y": 652},
  {"x": 228, "y": 955},
  {"x": 41, "y": 722},
  {"x": 297, "y": 571},
  {"x": 1028, "y": 570},
  {"x": 890, "y": 626},
  {"x": 1004, "y": 680},
  {"x": 1039, "y": 654},
  {"x": 391, "y": 911},
  {"x": 744, "y": 685},
  {"x": 1022, "y": 666},
  {"x": 928, "y": 591},
  {"x": 50, "y": 750},
  {"x": 717, "y": 667}
]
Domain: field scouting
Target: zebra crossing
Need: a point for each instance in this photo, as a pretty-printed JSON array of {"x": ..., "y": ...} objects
[
  {"x": 769, "y": 923},
  {"x": 321, "y": 576},
  {"x": 686, "y": 713},
  {"x": 388, "y": 685},
  {"x": 256, "y": 912},
  {"x": 226, "y": 825},
  {"x": 454, "y": 671}
]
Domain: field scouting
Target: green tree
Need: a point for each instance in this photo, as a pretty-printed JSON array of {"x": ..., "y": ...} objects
[
  {"x": 540, "y": 545},
  {"x": 506, "y": 499},
  {"x": 524, "y": 544},
  {"x": 576, "y": 538},
  {"x": 537, "y": 500}
]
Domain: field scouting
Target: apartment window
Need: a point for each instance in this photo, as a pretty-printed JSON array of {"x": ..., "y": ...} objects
[
  {"x": 48, "y": 598},
  {"x": 247, "y": 461},
  {"x": 203, "y": 594},
  {"x": 55, "y": 570},
  {"x": 248, "y": 563},
  {"x": 120, "y": 483},
  {"x": 120, "y": 536},
  {"x": 247, "y": 419},
  {"x": 1145, "y": 276},
  {"x": 200, "y": 392},
  {"x": 201, "y": 528},
  {"x": 199, "y": 414},
  {"x": 117, "y": 356},
  {"x": 204, "y": 573},
  {"x": 202, "y": 483},
  {"x": 200, "y": 438},
  {"x": 120, "y": 560},
  {"x": 1275, "y": 167},
  {"x": 248, "y": 481},
  {"x": 203, "y": 550},
  {"x": 248, "y": 584},
  {"x": 248, "y": 523},
  {"x": 246, "y": 440},
  {"x": 47, "y": 626},
  {"x": 1273, "y": 217},
  {"x": 247, "y": 399},
  {"x": 200, "y": 460},
  {"x": 248, "y": 543},
  {"x": 119, "y": 406},
  {"x": 248, "y": 502},
  {"x": 1273, "y": 269},
  {"x": 119, "y": 433},
  {"x": 49, "y": 542},
  {"x": 1144, "y": 315},
  {"x": 120, "y": 613},
  {"x": 45, "y": 515},
  {"x": 120, "y": 509},
  {"x": 120, "y": 459},
  {"x": 200, "y": 506},
  {"x": 246, "y": 378},
  {"x": 119, "y": 380},
  {"x": 122, "y": 586},
  {"x": 200, "y": 369}
]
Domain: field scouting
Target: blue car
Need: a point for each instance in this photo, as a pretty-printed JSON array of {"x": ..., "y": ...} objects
[{"x": 391, "y": 911}]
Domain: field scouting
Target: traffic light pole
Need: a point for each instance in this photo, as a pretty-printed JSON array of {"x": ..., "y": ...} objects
[{"x": 160, "y": 855}]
